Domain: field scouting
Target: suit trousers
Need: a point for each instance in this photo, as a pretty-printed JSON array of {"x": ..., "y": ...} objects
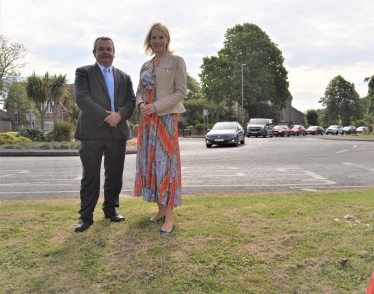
[{"x": 91, "y": 152}]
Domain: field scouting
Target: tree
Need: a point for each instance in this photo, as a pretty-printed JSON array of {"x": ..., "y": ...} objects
[
  {"x": 312, "y": 117},
  {"x": 73, "y": 113},
  {"x": 17, "y": 98},
  {"x": 36, "y": 89},
  {"x": 370, "y": 95},
  {"x": 342, "y": 102},
  {"x": 193, "y": 88},
  {"x": 265, "y": 84},
  {"x": 56, "y": 88},
  {"x": 10, "y": 65}
]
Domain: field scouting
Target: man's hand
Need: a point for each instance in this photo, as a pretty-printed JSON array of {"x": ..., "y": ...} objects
[{"x": 113, "y": 118}]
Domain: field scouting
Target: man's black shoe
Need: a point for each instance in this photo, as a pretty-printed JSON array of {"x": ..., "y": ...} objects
[
  {"x": 115, "y": 217},
  {"x": 84, "y": 224}
]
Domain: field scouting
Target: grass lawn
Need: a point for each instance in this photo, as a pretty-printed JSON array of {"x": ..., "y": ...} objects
[{"x": 257, "y": 243}]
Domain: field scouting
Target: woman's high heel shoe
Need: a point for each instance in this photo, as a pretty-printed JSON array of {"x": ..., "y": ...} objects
[{"x": 165, "y": 232}]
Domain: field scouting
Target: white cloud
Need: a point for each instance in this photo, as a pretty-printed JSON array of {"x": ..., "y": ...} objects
[{"x": 319, "y": 39}]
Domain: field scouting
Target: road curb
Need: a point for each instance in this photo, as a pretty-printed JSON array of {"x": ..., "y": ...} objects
[{"x": 22, "y": 153}]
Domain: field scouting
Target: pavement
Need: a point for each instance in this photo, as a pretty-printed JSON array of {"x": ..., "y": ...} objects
[{"x": 129, "y": 150}]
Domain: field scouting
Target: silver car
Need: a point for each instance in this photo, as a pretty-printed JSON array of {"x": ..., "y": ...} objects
[
  {"x": 360, "y": 130},
  {"x": 335, "y": 130}
]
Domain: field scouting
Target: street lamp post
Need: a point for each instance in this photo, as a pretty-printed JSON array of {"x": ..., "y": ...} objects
[{"x": 242, "y": 94}]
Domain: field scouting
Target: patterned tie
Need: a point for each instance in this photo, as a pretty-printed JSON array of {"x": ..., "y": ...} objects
[{"x": 110, "y": 87}]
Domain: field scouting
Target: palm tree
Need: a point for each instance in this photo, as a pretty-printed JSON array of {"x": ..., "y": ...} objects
[
  {"x": 56, "y": 91},
  {"x": 36, "y": 91},
  {"x": 73, "y": 113}
]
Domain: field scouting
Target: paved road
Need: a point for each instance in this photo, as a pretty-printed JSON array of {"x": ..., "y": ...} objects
[{"x": 261, "y": 165}]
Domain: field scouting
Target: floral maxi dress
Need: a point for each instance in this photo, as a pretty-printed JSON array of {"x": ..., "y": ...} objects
[{"x": 158, "y": 169}]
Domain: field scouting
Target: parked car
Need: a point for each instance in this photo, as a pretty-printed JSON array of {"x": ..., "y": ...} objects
[
  {"x": 360, "y": 130},
  {"x": 315, "y": 130},
  {"x": 297, "y": 130},
  {"x": 224, "y": 133},
  {"x": 335, "y": 130},
  {"x": 281, "y": 130},
  {"x": 260, "y": 127},
  {"x": 349, "y": 130}
]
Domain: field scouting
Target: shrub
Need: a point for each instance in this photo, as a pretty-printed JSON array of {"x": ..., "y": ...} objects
[
  {"x": 34, "y": 134},
  {"x": 9, "y": 138},
  {"x": 62, "y": 131}
]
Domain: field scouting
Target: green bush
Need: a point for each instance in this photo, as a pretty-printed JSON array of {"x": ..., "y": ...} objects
[
  {"x": 199, "y": 126},
  {"x": 34, "y": 134},
  {"x": 62, "y": 131}
]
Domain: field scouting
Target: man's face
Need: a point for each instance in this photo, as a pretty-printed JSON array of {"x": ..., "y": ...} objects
[{"x": 104, "y": 52}]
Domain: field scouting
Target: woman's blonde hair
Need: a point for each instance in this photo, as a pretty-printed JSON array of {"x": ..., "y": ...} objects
[{"x": 147, "y": 42}]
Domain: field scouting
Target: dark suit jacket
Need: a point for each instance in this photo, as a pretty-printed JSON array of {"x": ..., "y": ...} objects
[{"x": 92, "y": 96}]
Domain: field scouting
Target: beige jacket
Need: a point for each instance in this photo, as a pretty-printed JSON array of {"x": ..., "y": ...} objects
[{"x": 171, "y": 77}]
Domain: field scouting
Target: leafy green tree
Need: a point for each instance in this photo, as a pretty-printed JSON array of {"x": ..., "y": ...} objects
[
  {"x": 342, "y": 101},
  {"x": 370, "y": 95},
  {"x": 193, "y": 88},
  {"x": 265, "y": 83},
  {"x": 56, "y": 88},
  {"x": 312, "y": 117},
  {"x": 36, "y": 89},
  {"x": 194, "y": 112},
  {"x": 10, "y": 56},
  {"x": 18, "y": 99}
]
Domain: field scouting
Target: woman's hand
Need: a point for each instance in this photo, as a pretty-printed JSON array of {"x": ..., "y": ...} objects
[{"x": 148, "y": 109}]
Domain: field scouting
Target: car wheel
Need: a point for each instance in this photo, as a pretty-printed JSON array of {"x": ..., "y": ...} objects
[
  {"x": 288, "y": 135},
  {"x": 248, "y": 136},
  {"x": 243, "y": 141},
  {"x": 282, "y": 134},
  {"x": 237, "y": 141},
  {"x": 208, "y": 145},
  {"x": 265, "y": 135},
  {"x": 297, "y": 134},
  {"x": 276, "y": 135}
]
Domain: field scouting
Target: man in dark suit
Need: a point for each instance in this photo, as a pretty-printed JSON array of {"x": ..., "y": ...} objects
[{"x": 106, "y": 99}]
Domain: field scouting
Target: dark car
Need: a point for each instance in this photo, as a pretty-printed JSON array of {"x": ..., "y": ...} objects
[
  {"x": 315, "y": 130},
  {"x": 335, "y": 130},
  {"x": 349, "y": 130},
  {"x": 260, "y": 127},
  {"x": 297, "y": 130},
  {"x": 224, "y": 133},
  {"x": 281, "y": 130}
]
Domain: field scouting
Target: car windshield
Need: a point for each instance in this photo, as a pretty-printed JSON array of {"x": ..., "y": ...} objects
[
  {"x": 258, "y": 121},
  {"x": 334, "y": 126},
  {"x": 313, "y": 128},
  {"x": 224, "y": 126},
  {"x": 279, "y": 127}
]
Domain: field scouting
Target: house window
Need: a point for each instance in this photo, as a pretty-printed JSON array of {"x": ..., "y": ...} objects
[{"x": 50, "y": 107}]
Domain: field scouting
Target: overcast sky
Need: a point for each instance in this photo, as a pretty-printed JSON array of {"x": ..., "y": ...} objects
[{"x": 319, "y": 39}]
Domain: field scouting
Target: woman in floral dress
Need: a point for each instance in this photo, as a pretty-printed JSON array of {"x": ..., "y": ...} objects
[{"x": 162, "y": 88}]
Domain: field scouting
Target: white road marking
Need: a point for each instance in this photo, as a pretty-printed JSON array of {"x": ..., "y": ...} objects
[
  {"x": 342, "y": 151},
  {"x": 359, "y": 166}
]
